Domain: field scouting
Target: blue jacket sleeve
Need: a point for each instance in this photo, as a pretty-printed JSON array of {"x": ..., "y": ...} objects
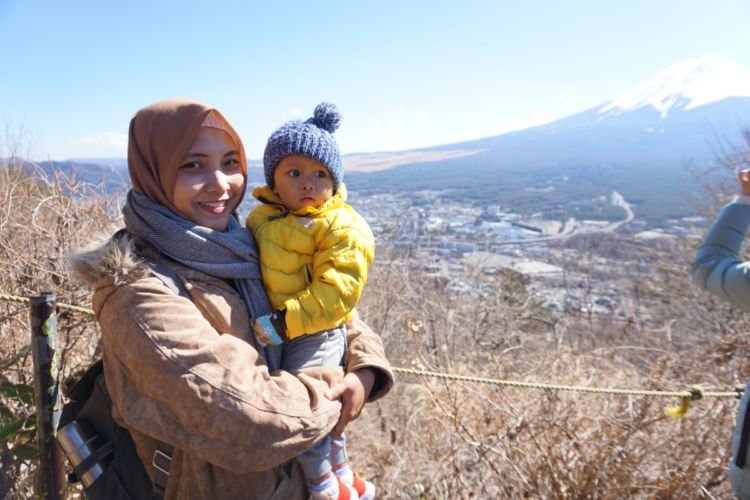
[{"x": 717, "y": 266}]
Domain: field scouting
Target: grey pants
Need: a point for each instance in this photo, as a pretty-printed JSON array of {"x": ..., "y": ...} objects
[{"x": 324, "y": 348}]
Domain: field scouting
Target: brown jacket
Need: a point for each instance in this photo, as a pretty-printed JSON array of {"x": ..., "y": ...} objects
[{"x": 188, "y": 373}]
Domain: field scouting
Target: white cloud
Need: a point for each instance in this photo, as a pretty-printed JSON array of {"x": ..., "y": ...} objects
[
  {"x": 388, "y": 132},
  {"x": 106, "y": 139},
  {"x": 292, "y": 114}
]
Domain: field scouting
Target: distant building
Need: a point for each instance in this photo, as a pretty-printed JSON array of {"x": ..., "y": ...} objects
[{"x": 458, "y": 246}]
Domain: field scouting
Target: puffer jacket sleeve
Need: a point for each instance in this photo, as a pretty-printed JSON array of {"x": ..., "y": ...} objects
[
  {"x": 173, "y": 377},
  {"x": 717, "y": 266},
  {"x": 339, "y": 271}
]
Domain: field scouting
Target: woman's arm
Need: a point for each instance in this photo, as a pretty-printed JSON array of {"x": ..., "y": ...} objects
[
  {"x": 366, "y": 351},
  {"x": 173, "y": 377},
  {"x": 369, "y": 375}
]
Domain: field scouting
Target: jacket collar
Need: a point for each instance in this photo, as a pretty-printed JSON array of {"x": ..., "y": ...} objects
[{"x": 265, "y": 195}]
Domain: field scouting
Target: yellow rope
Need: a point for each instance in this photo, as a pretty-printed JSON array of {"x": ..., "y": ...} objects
[
  {"x": 679, "y": 411},
  {"x": 691, "y": 395},
  {"x": 26, "y": 300}
]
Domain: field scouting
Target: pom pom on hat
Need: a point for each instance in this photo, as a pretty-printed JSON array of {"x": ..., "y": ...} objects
[
  {"x": 312, "y": 138},
  {"x": 327, "y": 117}
]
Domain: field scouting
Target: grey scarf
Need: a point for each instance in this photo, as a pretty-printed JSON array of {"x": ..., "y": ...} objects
[{"x": 225, "y": 254}]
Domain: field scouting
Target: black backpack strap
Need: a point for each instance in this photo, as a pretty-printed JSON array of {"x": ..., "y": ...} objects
[
  {"x": 99, "y": 456},
  {"x": 159, "y": 264},
  {"x": 168, "y": 276},
  {"x": 161, "y": 462},
  {"x": 744, "y": 438}
]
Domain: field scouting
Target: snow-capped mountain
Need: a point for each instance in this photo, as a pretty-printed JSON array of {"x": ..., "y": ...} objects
[
  {"x": 678, "y": 115},
  {"x": 639, "y": 142},
  {"x": 687, "y": 85}
]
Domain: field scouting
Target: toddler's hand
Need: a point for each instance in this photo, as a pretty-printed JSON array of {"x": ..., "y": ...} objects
[
  {"x": 744, "y": 176},
  {"x": 265, "y": 332}
]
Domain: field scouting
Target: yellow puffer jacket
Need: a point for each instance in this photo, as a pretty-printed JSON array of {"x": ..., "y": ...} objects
[{"x": 314, "y": 260}]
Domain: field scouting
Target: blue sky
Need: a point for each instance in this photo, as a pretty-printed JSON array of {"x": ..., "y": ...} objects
[{"x": 404, "y": 74}]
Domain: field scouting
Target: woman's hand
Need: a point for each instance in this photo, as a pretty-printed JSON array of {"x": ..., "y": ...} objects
[
  {"x": 353, "y": 390},
  {"x": 744, "y": 176}
]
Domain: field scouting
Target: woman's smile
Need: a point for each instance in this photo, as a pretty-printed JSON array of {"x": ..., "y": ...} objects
[{"x": 216, "y": 207}]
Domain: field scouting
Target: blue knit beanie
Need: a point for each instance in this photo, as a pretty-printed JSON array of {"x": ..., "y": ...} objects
[{"x": 312, "y": 138}]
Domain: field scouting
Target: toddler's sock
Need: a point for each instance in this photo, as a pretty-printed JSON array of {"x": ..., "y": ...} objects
[
  {"x": 365, "y": 489},
  {"x": 332, "y": 489}
]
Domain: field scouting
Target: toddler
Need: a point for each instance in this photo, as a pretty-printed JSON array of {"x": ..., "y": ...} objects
[{"x": 315, "y": 252}]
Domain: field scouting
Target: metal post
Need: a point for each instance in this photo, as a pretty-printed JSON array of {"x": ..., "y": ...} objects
[{"x": 50, "y": 480}]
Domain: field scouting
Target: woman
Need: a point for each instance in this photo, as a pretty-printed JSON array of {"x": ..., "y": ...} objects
[{"x": 188, "y": 372}]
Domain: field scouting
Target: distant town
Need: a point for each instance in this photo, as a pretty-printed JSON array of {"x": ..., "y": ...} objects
[{"x": 464, "y": 247}]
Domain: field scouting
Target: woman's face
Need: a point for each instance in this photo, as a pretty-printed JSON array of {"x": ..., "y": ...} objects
[{"x": 210, "y": 180}]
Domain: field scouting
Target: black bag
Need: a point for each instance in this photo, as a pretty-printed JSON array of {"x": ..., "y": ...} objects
[
  {"x": 105, "y": 451},
  {"x": 102, "y": 453},
  {"x": 739, "y": 468}
]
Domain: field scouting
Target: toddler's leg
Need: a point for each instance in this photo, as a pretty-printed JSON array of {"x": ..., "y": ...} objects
[
  {"x": 322, "y": 483},
  {"x": 338, "y": 455},
  {"x": 314, "y": 462},
  {"x": 319, "y": 349}
]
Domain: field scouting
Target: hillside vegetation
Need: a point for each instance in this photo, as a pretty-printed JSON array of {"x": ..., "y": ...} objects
[
  {"x": 559, "y": 192},
  {"x": 441, "y": 439}
]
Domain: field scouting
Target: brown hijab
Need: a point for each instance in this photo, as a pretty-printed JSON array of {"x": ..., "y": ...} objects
[{"x": 160, "y": 135}]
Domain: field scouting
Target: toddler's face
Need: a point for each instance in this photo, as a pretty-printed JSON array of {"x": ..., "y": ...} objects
[{"x": 302, "y": 182}]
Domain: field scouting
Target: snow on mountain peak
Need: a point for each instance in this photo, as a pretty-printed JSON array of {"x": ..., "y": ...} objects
[{"x": 688, "y": 84}]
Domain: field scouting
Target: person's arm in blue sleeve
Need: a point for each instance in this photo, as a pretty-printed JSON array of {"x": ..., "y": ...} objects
[{"x": 717, "y": 265}]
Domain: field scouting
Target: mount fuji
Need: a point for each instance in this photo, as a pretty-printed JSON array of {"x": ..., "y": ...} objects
[{"x": 638, "y": 143}]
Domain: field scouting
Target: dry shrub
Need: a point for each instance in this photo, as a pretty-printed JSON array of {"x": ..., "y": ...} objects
[
  {"x": 455, "y": 440},
  {"x": 442, "y": 439},
  {"x": 42, "y": 219}
]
